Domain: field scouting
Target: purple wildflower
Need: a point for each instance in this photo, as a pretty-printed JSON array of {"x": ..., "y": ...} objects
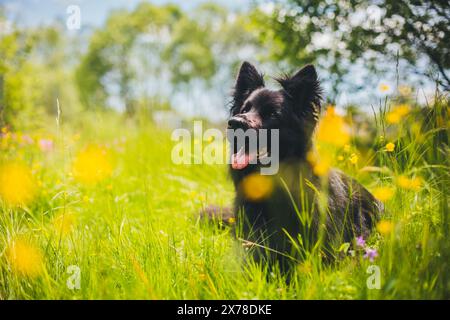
[
  {"x": 46, "y": 144},
  {"x": 360, "y": 242},
  {"x": 27, "y": 139},
  {"x": 371, "y": 254}
]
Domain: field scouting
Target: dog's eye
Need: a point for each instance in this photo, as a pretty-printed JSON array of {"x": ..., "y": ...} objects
[{"x": 246, "y": 108}]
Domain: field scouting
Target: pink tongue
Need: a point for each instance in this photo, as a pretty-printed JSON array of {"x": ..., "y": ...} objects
[{"x": 240, "y": 160}]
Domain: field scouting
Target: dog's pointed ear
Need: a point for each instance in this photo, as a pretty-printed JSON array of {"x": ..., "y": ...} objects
[
  {"x": 304, "y": 88},
  {"x": 248, "y": 80}
]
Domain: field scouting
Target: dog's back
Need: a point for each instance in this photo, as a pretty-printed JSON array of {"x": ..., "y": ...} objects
[{"x": 303, "y": 213}]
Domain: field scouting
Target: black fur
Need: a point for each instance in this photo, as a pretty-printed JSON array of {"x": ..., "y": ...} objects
[{"x": 274, "y": 222}]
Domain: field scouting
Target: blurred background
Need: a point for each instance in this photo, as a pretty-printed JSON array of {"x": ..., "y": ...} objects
[
  {"x": 176, "y": 60},
  {"x": 89, "y": 93}
]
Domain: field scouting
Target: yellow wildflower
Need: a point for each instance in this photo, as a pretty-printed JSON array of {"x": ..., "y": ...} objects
[
  {"x": 390, "y": 147},
  {"x": 402, "y": 109},
  {"x": 397, "y": 113},
  {"x": 257, "y": 187},
  {"x": 16, "y": 184},
  {"x": 321, "y": 165},
  {"x": 333, "y": 129},
  {"x": 25, "y": 258},
  {"x": 92, "y": 165},
  {"x": 385, "y": 227},
  {"x": 353, "y": 158},
  {"x": 231, "y": 220},
  {"x": 409, "y": 184},
  {"x": 321, "y": 168},
  {"x": 383, "y": 193}
]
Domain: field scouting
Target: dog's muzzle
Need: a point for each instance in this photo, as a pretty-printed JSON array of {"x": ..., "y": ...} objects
[{"x": 237, "y": 123}]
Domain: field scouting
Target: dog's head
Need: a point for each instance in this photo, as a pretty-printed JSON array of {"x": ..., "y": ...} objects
[{"x": 293, "y": 110}]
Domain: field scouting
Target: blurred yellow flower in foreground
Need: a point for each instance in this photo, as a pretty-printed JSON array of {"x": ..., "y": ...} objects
[
  {"x": 92, "y": 165},
  {"x": 231, "y": 220},
  {"x": 333, "y": 129},
  {"x": 397, "y": 113},
  {"x": 320, "y": 164},
  {"x": 390, "y": 147},
  {"x": 25, "y": 258},
  {"x": 383, "y": 193},
  {"x": 64, "y": 223},
  {"x": 16, "y": 184},
  {"x": 409, "y": 184},
  {"x": 257, "y": 187},
  {"x": 385, "y": 227}
]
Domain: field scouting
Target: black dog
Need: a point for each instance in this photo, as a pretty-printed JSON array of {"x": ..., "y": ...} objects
[{"x": 303, "y": 213}]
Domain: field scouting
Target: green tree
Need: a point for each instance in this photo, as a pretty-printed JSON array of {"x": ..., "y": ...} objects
[
  {"x": 360, "y": 30},
  {"x": 18, "y": 87},
  {"x": 110, "y": 53}
]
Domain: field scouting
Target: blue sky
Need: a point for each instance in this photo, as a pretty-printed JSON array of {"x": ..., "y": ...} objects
[{"x": 94, "y": 12}]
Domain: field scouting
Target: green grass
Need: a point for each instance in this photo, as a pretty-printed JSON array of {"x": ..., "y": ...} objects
[{"x": 136, "y": 234}]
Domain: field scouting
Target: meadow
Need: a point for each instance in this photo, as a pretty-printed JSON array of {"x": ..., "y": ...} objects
[{"x": 99, "y": 200}]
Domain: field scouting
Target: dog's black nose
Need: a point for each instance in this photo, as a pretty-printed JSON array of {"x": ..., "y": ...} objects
[{"x": 236, "y": 123}]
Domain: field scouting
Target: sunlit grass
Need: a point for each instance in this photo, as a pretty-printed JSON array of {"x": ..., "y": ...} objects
[{"x": 105, "y": 196}]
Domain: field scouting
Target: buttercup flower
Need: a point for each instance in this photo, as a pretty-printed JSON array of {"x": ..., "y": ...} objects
[
  {"x": 397, "y": 113},
  {"x": 384, "y": 227},
  {"x": 353, "y": 158},
  {"x": 16, "y": 184},
  {"x": 390, "y": 147},
  {"x": 24, "y": 258},
  {"x": 320, "y": 165},
  {"x": 409, "y": 184},
  {"x": 257, "y": 187},
  {"x": 383, "y": 193},
  {"x": 333, "y": 129},
  {"x": 92, "y": 165}
]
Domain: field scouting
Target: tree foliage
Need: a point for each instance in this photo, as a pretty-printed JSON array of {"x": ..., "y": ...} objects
[
  {"x": 33, "y": 73},
  {"x": 329, "y": 32},
  {"x": 110, "y": 49}
]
